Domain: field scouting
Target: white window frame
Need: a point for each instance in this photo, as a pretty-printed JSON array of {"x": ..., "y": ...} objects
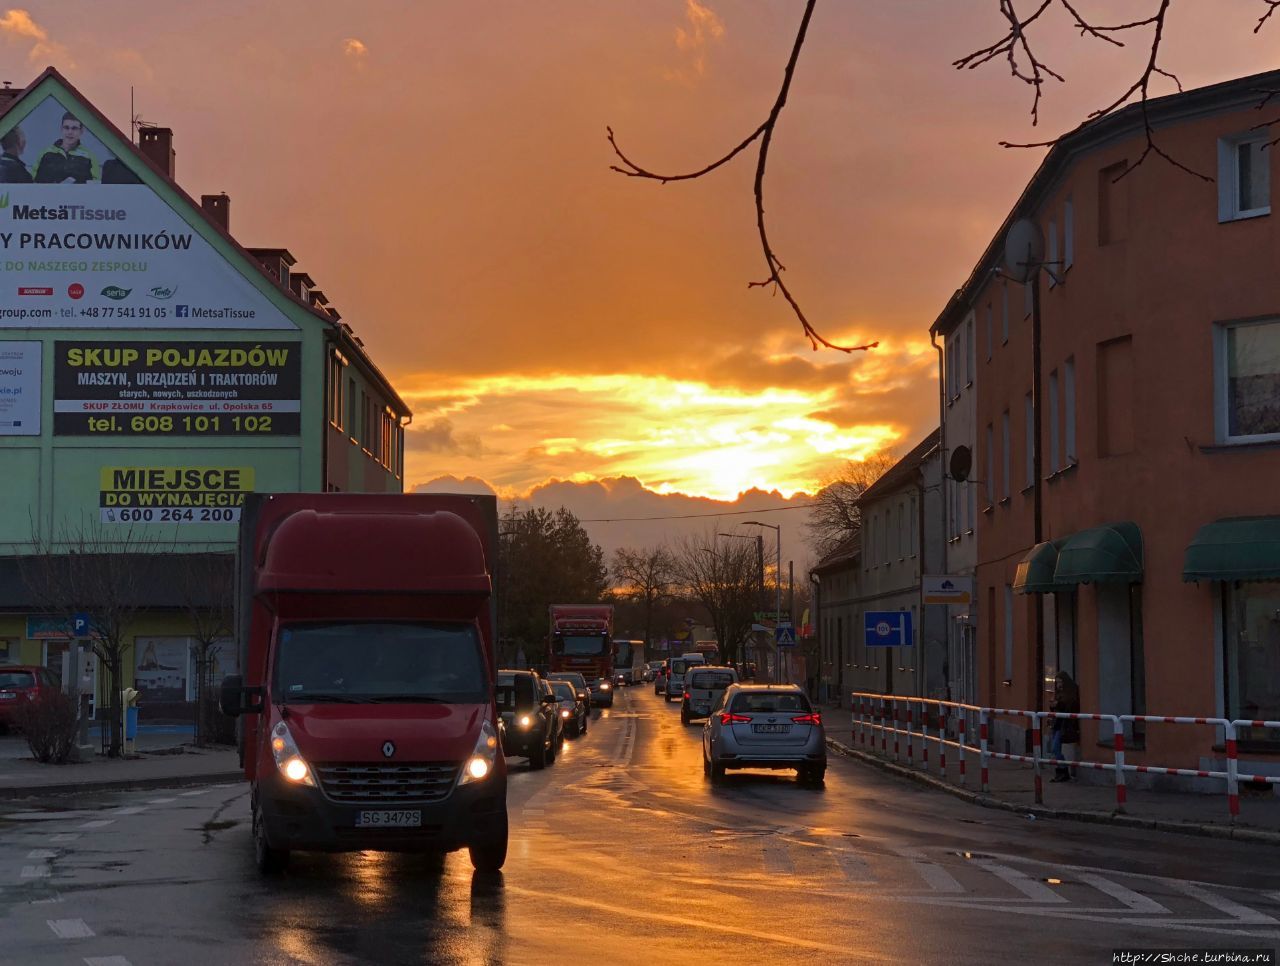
[
  {"x": 1053, "y": 422},
  {"x": 1029, "y": 410},
  {"x": 1070, "y": 457},
  {"x": 1229, "y": 177},
  {"x": 1008, "y": 632},
  {"x": 991, "y": 465},
  {"x": 1221, "y": 362},
  {"x": 1004, "y": 438},
  {"x": 1068, "y": 234}
]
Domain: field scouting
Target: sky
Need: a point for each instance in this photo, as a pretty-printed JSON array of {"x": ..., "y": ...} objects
[{"x": 441, "y": 169}]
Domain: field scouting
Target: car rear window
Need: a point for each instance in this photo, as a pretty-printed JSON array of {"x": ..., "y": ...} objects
[
  {"x": 768, "y": 701},
  {"x": 710, "y": 680},
  {"x": 17, "y": 679}
]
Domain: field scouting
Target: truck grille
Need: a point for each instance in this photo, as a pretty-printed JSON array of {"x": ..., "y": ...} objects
[{"x": 409, "y": 782}]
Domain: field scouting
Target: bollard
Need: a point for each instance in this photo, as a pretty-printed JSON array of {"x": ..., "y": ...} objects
[
  {"x": 911, "y": 721},
  {"x": 893, "y": 716},
  {"x": 1233, "y": 772},
  {"x": 942, "y": 740},
  {"x": 1121, "y": 791},
  {"x": 884, "y": 733},
  {"x": 1035, "y": 755},
  {"x": 960, "y": 733},
  {"x": 984, "y": 774}
]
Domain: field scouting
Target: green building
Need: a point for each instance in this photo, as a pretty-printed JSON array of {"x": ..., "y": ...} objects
[{"x": 152, "y": 372}]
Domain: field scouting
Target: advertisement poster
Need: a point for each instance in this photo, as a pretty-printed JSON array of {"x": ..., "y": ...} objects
[
  {"x": 84, "y": 244},
  {"x": 162, "y": 671},
  {"x": 19, "y": 388},
  {"x": 173, "y": 494},
  {"x": 177, "y": 388}
]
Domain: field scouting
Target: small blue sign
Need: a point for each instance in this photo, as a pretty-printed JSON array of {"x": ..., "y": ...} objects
[
  {"x": 80, "y": 625},
  {"x": 888, "y": 628},
  {"x": 785, "y": 635}
]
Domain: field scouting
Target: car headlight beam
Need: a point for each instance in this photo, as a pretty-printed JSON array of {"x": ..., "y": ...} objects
[
  {"x": 484, "y": 758},
  {"x": 289, "y": 760}
]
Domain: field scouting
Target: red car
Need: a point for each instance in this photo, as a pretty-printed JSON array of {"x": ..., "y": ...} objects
[{"x": 20, "y": 683}]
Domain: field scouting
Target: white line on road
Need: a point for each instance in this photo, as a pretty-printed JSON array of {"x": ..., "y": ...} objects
[
  {"x": 98, "y": 823},
  {"x": 854, "y": 867},
  {"x": 35, "y": 872},
  {"x": 938, "y": 878},
  {"x": 1233, "y": 909},
  {"x": 1033, "y": 889},
  {"x": 131, "y": 810},
  {"x": 160, "y": 801},
  {"x": 198, "y": 791},
  {"x": 1134, "y": 900},
  {"x": 47, "y": 901},
  {"x": 106, "y": 961},
  {"x": 62, "y": 837},
  {"x": 70, "y": 928},
  {"x": 42, "y": 854}
]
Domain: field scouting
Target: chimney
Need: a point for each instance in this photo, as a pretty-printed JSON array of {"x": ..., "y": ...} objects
[
  {"x": 8, "y": 95},
  {"x": 218, "y": 208},
  {"x": 156, "y": 145}
]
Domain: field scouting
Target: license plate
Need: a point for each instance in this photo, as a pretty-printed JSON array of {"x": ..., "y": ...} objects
[
  {"x": 773, "y": 729},
  {"x": 389, "y": 819},
  {"x": 700, "y": 707}
]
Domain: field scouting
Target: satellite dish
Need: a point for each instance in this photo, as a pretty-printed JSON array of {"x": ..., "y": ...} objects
[
  {"x": 1023, "y": 250},
  {"x": 961, "y": 463}
]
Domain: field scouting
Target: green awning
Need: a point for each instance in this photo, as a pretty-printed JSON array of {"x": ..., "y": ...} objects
[
  {"x": 1111, "y": 554},
  {"x": 1239, "y": 548},
  {"x": 1035, "y": 570}
]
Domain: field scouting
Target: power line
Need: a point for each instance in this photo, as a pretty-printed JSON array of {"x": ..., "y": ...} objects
[{"x": 696, "y": 516}]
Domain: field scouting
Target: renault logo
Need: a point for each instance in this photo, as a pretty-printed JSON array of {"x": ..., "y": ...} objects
[{"x": 388, "y": 749}]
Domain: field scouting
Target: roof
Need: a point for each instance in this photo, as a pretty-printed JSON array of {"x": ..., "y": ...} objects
[
  {"x": 1127, "y": 122},
  {"x": 52, "y": 73},
  {"x": 845, "y": 552},
  {"x": 904, "y": 471}
]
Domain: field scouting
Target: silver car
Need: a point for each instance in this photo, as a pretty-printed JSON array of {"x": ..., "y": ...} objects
[
  {"x": 765, "y": 726},
  {"x": 703, "y": 689}
]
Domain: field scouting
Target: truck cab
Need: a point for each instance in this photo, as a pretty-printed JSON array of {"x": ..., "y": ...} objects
[{"x": 368, "y": 717}]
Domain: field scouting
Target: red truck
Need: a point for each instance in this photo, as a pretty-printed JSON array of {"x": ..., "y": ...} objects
[
  {"x": 365, "y": 626},
  {"x": 580, "y": 639}
]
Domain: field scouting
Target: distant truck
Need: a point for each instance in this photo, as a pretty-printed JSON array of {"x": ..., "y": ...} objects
[
  {"x": 365, "y": 624},
  {"x": 580, "y": 638},
  {"x": 710, "y": 650},
  {"x": 624, "y": 660}
]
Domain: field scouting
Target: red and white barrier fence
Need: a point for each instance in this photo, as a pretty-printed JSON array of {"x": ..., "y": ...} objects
[{"x": 879, "y": 715}]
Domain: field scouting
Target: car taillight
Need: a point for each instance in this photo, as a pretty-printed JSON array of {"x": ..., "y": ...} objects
[
  {"x": 727, "y": 717},
  {"x": 686, "y": 695},
  {"x": 811, "y": 719}
]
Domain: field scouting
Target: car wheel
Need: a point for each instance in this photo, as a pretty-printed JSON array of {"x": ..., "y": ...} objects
[
  {"x": 585, "y": 719},
  {"x": 717, "y": 772},
  {"x": 559, "y": 740},
  {"x": 490, "y": 853},
  {"x": 268, "y": 860},
  {"x": 538, "y": 758},
  {"x": 684, "y": 716},
  {"x": 552, "y": 751},
  {"x": 812, "y": 775}
]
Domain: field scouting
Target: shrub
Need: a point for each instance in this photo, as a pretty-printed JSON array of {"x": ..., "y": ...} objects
[{"x": 49, "y": 723}]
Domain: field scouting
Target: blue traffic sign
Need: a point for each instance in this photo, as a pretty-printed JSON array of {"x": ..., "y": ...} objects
[
  {"x": 888, "y": 628},
  {"x": 785, "y": 635},
  {"x": 80, "y": 625}
]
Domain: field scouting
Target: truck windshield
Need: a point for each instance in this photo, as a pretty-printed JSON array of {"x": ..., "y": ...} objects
[
  {"x": 380, "y": 662},
  {"x": 575, "y": 646}
]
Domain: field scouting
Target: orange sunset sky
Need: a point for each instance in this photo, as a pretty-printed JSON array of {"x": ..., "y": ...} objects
[{"x": 441, "y": 169}]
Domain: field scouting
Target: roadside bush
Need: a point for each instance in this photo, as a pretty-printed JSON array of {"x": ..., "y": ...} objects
[{"x": 49, "y": 725}]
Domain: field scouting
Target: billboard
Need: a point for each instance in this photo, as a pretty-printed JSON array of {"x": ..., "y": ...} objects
[
  {"x": 173, "y": 494},
  {"x": 84, "y": 244},
  {"x": 19, "y": 388},
  {"x": 177, "y": 388}
]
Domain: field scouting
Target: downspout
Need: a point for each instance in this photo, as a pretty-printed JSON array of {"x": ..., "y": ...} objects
[{"x": 944, "y": 482}]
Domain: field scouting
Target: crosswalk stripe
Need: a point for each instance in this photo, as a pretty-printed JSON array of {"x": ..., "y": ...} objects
[
  {"x": 99, "y": 823},
  {"x": 1134, "y": 900},
  {"x": 41, "y": 854},
  {"x": 854, "y": 867},
  {"x": 937, "y": 878},
  {"x": 1029, "y": 887},
  {"x": 106, "y": 961},
  {"x": 63, "y": 837},
  {"x": 35, "y": 872},
  {"x": 1232, "y": 908},
  {"x": 70, "y": 928}
]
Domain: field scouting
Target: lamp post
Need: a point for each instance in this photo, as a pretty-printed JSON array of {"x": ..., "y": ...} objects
[{"x": 777, "y": 616}]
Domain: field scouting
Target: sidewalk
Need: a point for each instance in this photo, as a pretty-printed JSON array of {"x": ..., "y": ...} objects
[
  {"x": 162, "y": 760},
  {"x": 1012, "y": 788}
]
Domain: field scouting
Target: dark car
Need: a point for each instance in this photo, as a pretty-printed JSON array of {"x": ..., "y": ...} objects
[
  {"x": 660, "y": 678},
  {"x": 20, "y": 683},
  {"x": 556, "y": 719},
  {"x": 574, "y": 713},
  {"x": 530, "y": 722},
  {"x": 579, "y": 684}
]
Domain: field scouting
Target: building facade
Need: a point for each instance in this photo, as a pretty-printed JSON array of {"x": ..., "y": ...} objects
[{"x": 836, "y": 580}]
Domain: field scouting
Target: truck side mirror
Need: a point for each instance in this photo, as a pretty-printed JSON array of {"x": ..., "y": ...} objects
[{"x": 232, "y": 699}]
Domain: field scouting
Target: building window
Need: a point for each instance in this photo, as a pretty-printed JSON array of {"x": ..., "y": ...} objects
[
  {"x": 1068, "y": 234},
  {"x": 1252, "y": 655},
  {"x": 911, "y": 526},
  {"x": 902, "y": 531},
  {"x": 1244, "y": 177},
  {"x": 1113, "y": 203},
  {"x": 1053, "y": 421},
  {"x": 951, "y": 367},
  {"x": 1029, "y": 410},
  {"x": 1004, "y": 312},
  {"x": 1008, "y": 632},
  {"x": 990, "y": 322},
  {"x": 1248, "y": 381},
  {"x": 1069, "y": 410},
  {"x": 336, "y": 366},
  {"x": 973, "y": 505},
  {"x": 971, "y": 351},
  {"x": 990, "y": 475},
  {"x": 1004, "y": 453}
]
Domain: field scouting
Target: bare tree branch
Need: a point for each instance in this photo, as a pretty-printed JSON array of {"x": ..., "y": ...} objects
[{"x": 764, "y": 133}]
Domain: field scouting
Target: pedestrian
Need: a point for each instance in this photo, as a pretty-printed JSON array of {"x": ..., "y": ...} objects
[{"x": 1066, "y": 731}]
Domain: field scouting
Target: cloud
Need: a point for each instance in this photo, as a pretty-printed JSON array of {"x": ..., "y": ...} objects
[
  {"x": 18, "y": 27},
  {"x": 355, "y": 50},
  {"x": 438, "y": 437},
  {"x": 704, "y": 27},
  {"x": 452, "y": 484}
]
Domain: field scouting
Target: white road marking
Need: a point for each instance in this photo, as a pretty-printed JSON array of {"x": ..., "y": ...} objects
[
  {"x": 854, "y": 867},
  {"x": 1134, "y": 900},
  {"x": 98, "y": 823},
  {"x": 160, "y": 801},
  {"x": 198, "y": 791},
  {"x": 64, "y": 837},
  {"x": 35, "y": 872},
  {"x": 42, "y": 854},
  {"x": 1033, "y": 889},
  {"x": 70, "y": 928},
  {"x": 131, "y": 810},
  {"x": 47, "y": 901},
  {"x": 1233, "y": 909},
  {"x": 106, "y": 961},
  {"x": 938, "y": 878}
]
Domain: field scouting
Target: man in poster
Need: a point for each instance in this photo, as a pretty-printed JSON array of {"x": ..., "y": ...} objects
[
  {"x": 12, "y": 170},
  {"x": 67, "y": 161}
]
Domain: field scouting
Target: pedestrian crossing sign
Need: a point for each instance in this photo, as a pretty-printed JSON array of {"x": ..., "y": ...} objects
[{"x": 785, "y": 635}]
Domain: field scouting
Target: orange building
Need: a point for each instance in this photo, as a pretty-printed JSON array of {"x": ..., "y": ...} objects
[{"x": 1159, "y": 413}]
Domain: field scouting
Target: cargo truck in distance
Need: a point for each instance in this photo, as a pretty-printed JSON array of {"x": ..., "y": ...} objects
[
  {"x": 365, "y": 627},
  {"x": 580, "y": 638}
]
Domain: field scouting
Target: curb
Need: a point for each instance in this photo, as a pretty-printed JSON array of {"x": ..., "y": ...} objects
[
  {"x": 1262, "y": 836},
  {"x": 10, "y": 793}
]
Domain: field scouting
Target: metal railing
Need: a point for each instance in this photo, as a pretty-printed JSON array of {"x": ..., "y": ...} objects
[{"x": 876, "y": 716}]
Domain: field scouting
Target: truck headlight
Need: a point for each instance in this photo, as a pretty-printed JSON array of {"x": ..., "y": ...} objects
[
  {"x": 481, "y": 763},
  {"x": 288, "y": 759}
]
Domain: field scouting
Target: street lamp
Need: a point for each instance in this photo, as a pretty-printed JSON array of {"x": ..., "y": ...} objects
[{"x": 777, "y": 575}]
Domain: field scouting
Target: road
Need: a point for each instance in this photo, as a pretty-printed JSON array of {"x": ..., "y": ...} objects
[{"x": 622, "y": 852}]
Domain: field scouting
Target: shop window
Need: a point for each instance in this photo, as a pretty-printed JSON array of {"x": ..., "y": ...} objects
[
  {"x": 1248, "y": 381},
  {"x": 1252, "y": 655}
]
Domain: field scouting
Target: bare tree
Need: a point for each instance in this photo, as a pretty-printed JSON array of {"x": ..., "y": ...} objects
[
  {"x": 835, "y": 516},
  {"x": 722, "y": 579},
  {"x": 99, "y": 569},
  {"x": 204, "y": 582},
  {"x": 644, "y": 576}
]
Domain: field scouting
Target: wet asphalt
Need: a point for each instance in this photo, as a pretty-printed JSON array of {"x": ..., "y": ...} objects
[{"x": 622, "y": 852}]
